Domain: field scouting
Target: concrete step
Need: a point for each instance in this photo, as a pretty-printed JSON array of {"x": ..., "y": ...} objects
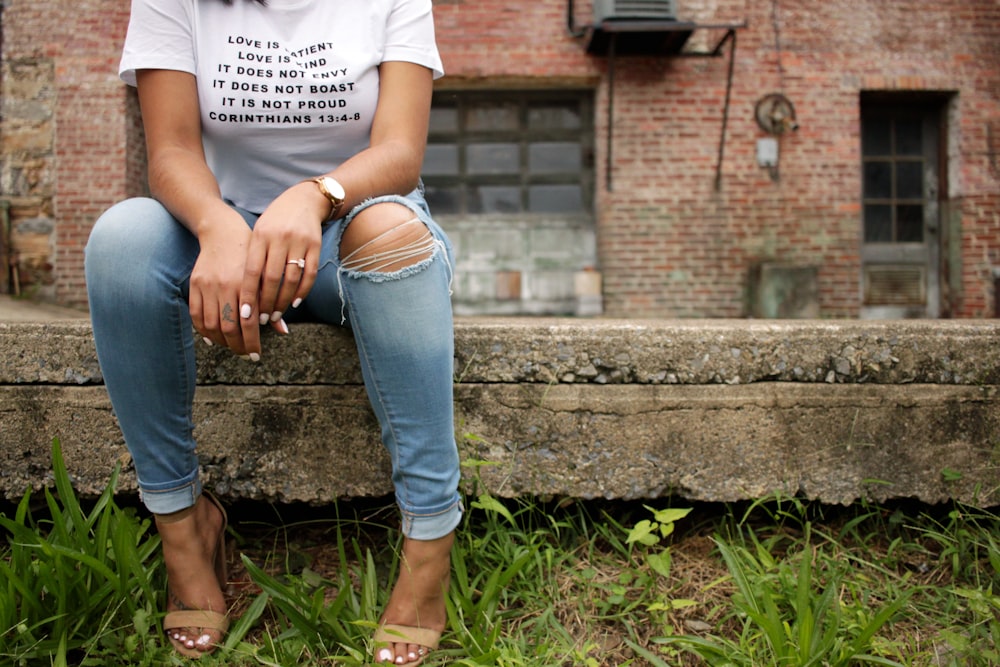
[{"x": 714, "y": 410}]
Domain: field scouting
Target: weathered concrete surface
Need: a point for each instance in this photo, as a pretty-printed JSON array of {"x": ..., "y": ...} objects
[{"x": 706, "y": 410}]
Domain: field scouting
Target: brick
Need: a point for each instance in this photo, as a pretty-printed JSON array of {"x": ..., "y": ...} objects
[{"x": 667, "y": 242}]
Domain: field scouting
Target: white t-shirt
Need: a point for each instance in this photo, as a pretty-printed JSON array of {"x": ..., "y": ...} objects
[{"x": 287, "y": 90}]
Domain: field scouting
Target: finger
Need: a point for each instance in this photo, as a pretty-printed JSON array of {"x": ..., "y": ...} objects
[
  {"x": 231, "y": 325},
  {"x": 308, "y": 278},
  {"x": 250, "y": 332},
  {"x": 270, "y": 283},
  {"x": 295, "y": 271},
  {"x": 205, "y": 317},
  {"x": 250, "y": 291},
  {"x": 280, "y": 326},
  {"x": 249, "y": 299},
  {"x": 195, "y": 304}
]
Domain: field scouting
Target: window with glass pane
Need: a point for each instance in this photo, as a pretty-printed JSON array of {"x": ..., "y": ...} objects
[
  {"x": 510, "y": 152},
  {"x": 893, "y": 178}
]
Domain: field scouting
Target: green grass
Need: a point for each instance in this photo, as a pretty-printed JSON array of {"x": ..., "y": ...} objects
[
  {"x": 77, "y": 585},
  {"x": 777, "y": 582}
]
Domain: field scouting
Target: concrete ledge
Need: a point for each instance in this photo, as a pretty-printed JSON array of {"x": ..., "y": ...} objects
[{"x": 707, "y": 410}]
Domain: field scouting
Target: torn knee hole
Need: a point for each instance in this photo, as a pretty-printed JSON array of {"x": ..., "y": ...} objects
[{"x": 398, "y": 247}]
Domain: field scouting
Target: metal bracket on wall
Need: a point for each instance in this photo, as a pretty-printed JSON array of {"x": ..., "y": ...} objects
[{"x": 666, "y": 38}]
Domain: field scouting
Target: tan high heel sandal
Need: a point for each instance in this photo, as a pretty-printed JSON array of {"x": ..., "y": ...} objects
[
  {"x": 204, "y": 619},
  {"x": 389, "y": 633}
]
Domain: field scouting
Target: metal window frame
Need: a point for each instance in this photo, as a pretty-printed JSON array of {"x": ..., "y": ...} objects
[{"x": 524, "y": 100}]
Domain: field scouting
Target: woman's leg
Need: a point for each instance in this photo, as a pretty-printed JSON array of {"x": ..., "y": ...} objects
[
  {"x": 387, "y": 272},
  {"x": 390, "y": 277},
  {"x": 138, "y": 261}
]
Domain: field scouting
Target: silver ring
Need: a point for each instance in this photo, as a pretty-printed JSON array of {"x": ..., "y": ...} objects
[{"x": 301, "y": 263}]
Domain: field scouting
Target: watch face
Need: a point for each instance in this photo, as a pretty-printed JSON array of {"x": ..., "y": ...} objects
[{"x": 333, "y": 187}]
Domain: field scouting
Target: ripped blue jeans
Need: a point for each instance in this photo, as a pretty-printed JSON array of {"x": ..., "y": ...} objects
[{"x": 139, "y": 260}]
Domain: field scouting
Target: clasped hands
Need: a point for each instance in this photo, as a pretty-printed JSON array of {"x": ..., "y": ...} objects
[{"x": 244, "y": 279}]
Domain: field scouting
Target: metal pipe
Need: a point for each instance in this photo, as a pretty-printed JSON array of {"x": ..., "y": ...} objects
[
  {"x": 725, "y": 109},
  {"x": 6, "y": 246},
  {"x": 996, "y": 292},
  {"x": 611, "y": 105}
]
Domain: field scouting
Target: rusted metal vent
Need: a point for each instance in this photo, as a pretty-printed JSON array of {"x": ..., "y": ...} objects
[
  {"x": 895, "y": 285},
  {"x": 662, "y": 10}
]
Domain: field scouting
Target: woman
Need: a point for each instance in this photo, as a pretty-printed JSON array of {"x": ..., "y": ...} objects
[{"x": 284, "y": 142}]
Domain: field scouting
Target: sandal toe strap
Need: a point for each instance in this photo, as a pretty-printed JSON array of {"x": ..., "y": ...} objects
[
  {"x": 196, "y": 618},
  {"x": 399, "y": 634}
]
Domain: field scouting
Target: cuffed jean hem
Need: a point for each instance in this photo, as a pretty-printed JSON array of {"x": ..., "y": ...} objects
[
  {"x": 431, "y": 526},
  {"x": 167, "y": 501}
]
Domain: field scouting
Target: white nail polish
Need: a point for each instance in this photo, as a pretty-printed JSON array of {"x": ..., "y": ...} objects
[
  {"x": 245, "y": 311},
  {"x": 254, "y": 357},
  {"x": 384, "y": 655},
  {"x": 204, "y": 640},
  {"x": 208, "y": 341},
  {"x": 296, "y": 303},
  {"x": 282, "y": 327},
  {"x": 263, "y": 319}
]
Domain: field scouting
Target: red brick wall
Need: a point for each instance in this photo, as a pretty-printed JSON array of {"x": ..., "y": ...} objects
[
  {"x": 92, "y": 132},
  {"x": 670, "y": 243}
]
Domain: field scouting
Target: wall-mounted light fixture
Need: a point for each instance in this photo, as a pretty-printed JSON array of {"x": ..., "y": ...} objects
[{"x": 776, "y": 116}]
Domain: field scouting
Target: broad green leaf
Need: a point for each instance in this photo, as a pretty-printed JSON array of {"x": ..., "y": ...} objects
[{"x": 660, "y": 563}]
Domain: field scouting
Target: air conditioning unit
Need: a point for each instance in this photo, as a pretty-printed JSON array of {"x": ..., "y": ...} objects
[{"x": 660, "y": 10}]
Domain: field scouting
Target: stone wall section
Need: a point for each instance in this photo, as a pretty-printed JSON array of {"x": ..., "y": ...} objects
[
  {"x": 711, "y": 410},
  {"x": 66, "y": 141}
]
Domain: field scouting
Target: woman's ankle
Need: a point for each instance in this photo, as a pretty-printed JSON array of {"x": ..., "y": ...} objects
[
  {"x": 417, "y": 598},
  {"x": 191, "y": 547}
]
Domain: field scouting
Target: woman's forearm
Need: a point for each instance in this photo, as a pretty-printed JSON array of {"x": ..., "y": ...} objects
[
  {"x": 182, "y": 182},
  {"x": 392, "y": 163},
  {"x": 392, "y": 167}
]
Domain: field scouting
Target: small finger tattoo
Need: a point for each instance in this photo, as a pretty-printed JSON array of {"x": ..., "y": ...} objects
[{"x": 227, "y": 313}]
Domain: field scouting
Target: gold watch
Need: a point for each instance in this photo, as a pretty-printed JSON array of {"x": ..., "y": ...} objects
[{"x": 333, "y": 191}]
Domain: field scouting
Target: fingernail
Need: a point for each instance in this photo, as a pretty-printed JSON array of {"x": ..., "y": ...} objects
[
  {"x": 208, "y": 341},
  {"x": 263, "y": 319},
  {"x": 254, "y": 357},
  {"x": 204, "y": 640},
  {"x": 282, "y": 326},
  {"x": 275, "y": 316},
  {"x": 384, "y": 655},
  {"x": 412, "y": 655},
  {"x": 245, "y": 357},
  {"x": 245, "y": 310},
  {"x": 296, "y": 303}
]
